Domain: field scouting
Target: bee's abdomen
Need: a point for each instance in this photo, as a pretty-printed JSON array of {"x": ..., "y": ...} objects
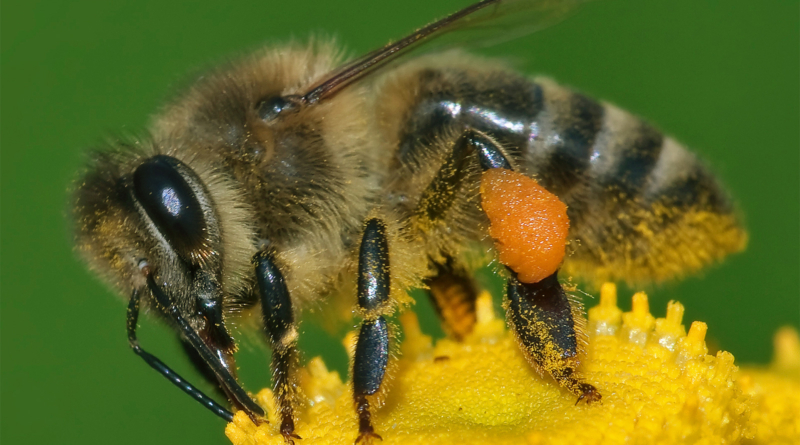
[{"x": 641, "y": 206}]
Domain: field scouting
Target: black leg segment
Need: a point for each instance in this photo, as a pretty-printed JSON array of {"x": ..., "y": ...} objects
[
  {"x": 541, "y": 316},
  {"x": 372, "y": 351},
  {"x": 441, "y": 193},
  {"x": 276, "y": 307},
  {"x": 373, "y": 266},
  {"x": 369, "y": 368},
  {"x": 490, "y": 155},
  {"x": 372, "y": 348}
]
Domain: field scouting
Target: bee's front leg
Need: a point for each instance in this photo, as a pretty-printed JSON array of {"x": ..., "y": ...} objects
[
  {"x": 276, "y": 307},
  {"x": 372, "y": 347}
]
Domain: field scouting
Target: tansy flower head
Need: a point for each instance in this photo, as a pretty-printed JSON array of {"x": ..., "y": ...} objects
[{"x": 658, "y": 382}]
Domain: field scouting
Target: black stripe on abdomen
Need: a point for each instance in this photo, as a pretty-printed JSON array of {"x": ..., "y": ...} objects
[
  {"x": 638, "y": 154},
  {"x": 575, "y": 127},
  {"x": 498, "y": 103},
  {"x": 698, "y": 188}
]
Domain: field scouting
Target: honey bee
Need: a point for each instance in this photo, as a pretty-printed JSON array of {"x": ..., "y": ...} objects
[{"x": 289, "y": 178}]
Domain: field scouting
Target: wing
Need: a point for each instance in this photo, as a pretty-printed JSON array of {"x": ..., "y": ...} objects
[{"x": 482, "y": 24}]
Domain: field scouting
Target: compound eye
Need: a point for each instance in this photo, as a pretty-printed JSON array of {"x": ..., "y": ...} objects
[
  {"x": 269, "y": 109},
  {"x": 171, "y": 203}
]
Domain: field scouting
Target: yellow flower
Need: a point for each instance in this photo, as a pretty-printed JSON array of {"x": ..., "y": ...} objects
[
  {"x": 658, "y": 383},
  {"x": 775, "y": 392}
]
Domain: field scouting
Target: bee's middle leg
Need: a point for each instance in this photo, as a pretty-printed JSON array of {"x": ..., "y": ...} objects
[
  {"x": 276, "y": 306},
  {"x": 372, "y": 347},
  {"x": 453, "y": 293}
]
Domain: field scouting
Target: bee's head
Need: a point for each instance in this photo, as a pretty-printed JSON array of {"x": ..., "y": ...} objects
[{"x": 141, "y": 214}]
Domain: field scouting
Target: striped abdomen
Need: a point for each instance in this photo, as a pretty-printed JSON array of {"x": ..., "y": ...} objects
[{"x": 641, "y": 207}]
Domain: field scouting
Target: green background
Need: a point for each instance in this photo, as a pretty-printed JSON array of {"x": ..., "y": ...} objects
[{"x": 721, "y": 76}]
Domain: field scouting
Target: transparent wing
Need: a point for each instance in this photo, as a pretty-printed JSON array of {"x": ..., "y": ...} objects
[{"x": 482, "y": 24}]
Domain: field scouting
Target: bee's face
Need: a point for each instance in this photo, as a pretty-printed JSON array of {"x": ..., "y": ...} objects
[
  {"x": 146, "y": 210},
  {"x": 142, "y": 212},
  {"x": 179, "y": 217}
]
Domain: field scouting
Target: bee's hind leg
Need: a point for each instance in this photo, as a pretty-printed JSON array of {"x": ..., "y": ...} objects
[
  {"x": 452, "y": 289},
  {"x": 544, "y": 321},
  {"x": 278, "y": 317},
  {"x": 372, "y": 347}
]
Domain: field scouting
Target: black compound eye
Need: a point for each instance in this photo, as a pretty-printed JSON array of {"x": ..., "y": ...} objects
[
  {"x": 170, "y": 203},
  {"x": 269, "y": 109}
]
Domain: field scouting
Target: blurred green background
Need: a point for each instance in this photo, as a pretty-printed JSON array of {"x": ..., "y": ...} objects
[{"x": 721, "y": 76}]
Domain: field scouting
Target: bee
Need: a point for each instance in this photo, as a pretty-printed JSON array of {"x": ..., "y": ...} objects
[{"x": 289, "y": 178}]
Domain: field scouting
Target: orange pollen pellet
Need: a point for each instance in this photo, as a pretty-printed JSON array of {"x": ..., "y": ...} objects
[{"x": 529, "y": 224}]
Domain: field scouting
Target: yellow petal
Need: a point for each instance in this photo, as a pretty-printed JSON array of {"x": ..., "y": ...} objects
[{"x": 658, "y": 383}]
